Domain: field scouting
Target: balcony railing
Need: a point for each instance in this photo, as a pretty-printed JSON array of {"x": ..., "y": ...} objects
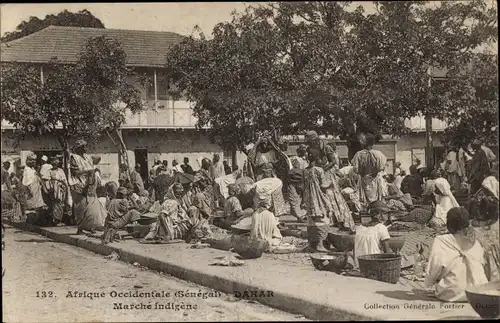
[
  {"x": 418, "y": 124},
  {"x": 163, "y": 114},
  {"x": 173, "y": 114}
]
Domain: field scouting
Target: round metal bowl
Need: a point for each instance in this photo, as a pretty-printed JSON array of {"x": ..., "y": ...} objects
[
  {"x": 485, "y": 299},
  {"x": 333, "y": 261},
  {"x": 341, "y": 241}
]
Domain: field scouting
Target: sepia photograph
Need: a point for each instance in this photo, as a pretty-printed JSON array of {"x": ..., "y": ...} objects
[{"x": 249, "y": 161}]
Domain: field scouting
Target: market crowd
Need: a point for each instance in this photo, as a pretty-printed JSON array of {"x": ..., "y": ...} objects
[{"x": 177, "y": 202}]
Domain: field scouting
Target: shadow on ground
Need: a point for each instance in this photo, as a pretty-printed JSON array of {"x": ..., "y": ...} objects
[{"x": 37, "y": 241}]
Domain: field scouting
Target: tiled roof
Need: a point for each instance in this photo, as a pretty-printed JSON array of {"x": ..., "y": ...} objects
[{"x": 143, "y": 48}]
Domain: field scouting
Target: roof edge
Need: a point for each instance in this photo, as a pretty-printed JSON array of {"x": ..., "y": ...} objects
[{"x": 91, "y": 28}]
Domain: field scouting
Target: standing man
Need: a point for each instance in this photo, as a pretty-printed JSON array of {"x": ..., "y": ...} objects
[
  {"x": 227, "y": 168},
  {"x": 368, "y": 164},
  {"x": 479, "y": 168},
  {"x": 397, "y": 169},
  {"x": 124, "y": 176},
  {"x": 58, "y": 192},
  {"x": 295, "y": 182},
  {"x": 136, "y": 179},
  {"x": 186, "y": 167},
  {"x": 452, "y": 169},
  {"x": 6, "y": 176},
  {"x": 217, "y": 167},
  {"x": 45, "y": 171},
  {"x": 156, "y": 164},
  {"x": 164, "y": 169},
  {"x": 464, "y": 158},
  {"x": 176, "y": 167}
]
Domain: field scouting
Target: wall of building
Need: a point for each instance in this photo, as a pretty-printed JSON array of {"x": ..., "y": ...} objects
[
  {"x": 165, "y": 144},
  {"x": 170, "y": 144},
  {"x": 412, "y": 146}
]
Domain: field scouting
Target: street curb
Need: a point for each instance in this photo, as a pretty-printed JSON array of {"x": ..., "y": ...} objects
[{"x": 281, "y": 301}]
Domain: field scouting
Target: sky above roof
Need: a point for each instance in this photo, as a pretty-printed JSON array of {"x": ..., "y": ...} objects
[{"x": 176, "y": 17}]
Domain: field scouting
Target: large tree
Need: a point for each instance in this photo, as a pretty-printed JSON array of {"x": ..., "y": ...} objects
[
  {"x": 85, "y": 100},
  {"x": 293, "y": 66},
  {"x": 83, "y": 18},
  {"x": 479, "y": 119}
]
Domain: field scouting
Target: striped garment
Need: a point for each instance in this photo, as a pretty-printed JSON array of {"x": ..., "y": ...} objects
[{"x": 173, "y": 223}]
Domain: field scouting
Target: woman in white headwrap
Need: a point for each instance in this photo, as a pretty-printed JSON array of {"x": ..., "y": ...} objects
[
  {"x": 445, "y": 201},
  {"x": 264, "y": 223}
]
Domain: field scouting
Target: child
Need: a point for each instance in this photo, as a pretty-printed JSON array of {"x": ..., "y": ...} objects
[
  {"x": 232, "y": 206},
  {"x": 374, "y": 237},
  {"x": 316, "y": 203}
]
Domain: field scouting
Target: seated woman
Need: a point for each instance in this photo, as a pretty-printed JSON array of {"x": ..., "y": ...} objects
[
  {"x": 233, "y": 212},
  {"x": 397, "y": 200},
  {"x": 264, "y": 223},
  {"x": 350, "y": 194},
  {"x": 374, "y": 237},
  {"x": 445, "y": 201},
  {"x": 484, "y": 211},
  {"x": 456, "y": 259},
  {"x": 412, "y": 184},
  {"x": 143, "y": 202},
  {"x": 430, "y": 184},
  {"x": 120, "y": 213},
  {"x": 173, "y": 223}
]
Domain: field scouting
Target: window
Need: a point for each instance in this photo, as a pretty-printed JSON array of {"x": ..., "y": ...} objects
[
  {"x": 150, "y": 85},
  {"x": 162, "y": 84}
]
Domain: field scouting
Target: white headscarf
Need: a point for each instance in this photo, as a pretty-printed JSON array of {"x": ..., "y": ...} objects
[
  {"x": 445, "y": 199},
  {"x": 491, "y": 184},
  {"x": 264, "y": 190}
]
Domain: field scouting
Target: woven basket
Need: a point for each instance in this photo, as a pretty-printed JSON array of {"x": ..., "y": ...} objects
[
  {"x": 247, "y": 247},
  {"x": 382, "y": 267}
]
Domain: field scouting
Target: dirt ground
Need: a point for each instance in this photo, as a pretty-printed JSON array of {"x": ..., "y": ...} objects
[{"x": 40, "y": 273}]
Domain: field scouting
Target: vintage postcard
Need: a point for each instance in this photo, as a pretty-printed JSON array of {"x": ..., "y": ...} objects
[{"x": 249, "y": 161}]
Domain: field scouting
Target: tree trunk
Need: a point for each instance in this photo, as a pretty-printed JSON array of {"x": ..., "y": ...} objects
[
  {"x": 353, "y": 146},
  {"x": 120, "y": 145},
  {"x": 233, "y": 159},
  {"x": 66, "y": 154},
  {"x": 429, "y": 151},
  {"x": 118, "y": 133}
]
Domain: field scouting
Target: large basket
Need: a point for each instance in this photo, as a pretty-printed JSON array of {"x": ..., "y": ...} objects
[
  {"x": 220, "y": 244},
  {"x": 382, "y": 267},
  {"x": 247, "y": 247}
]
